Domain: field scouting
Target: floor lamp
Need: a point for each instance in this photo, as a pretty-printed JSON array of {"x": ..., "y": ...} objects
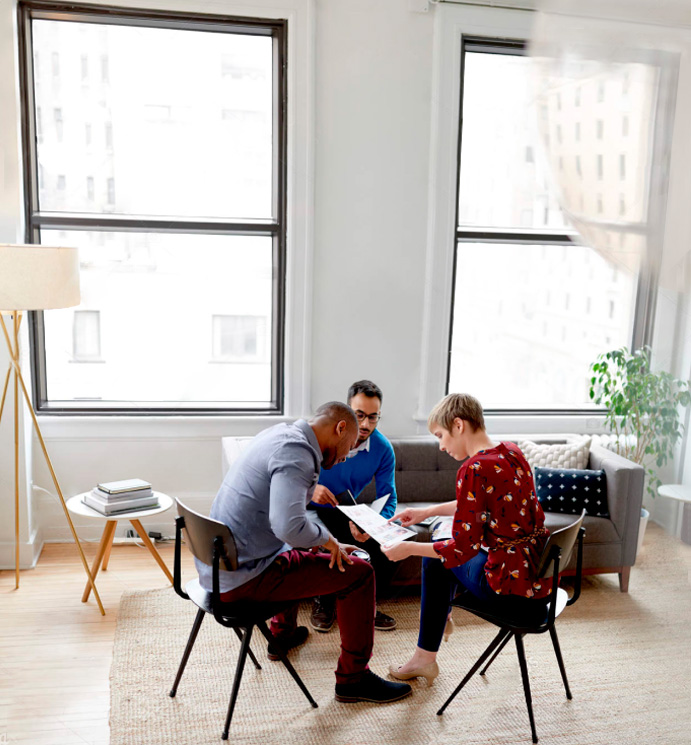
[{"x": 35, "y": 278}]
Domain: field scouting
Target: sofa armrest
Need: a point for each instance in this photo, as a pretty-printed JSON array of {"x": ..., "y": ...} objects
[{"x": 625, "y": 480}]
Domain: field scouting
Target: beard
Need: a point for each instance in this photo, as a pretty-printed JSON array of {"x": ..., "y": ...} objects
[
  {"x": 363, "y": 438},
  {"x": 329, "y": 458}
]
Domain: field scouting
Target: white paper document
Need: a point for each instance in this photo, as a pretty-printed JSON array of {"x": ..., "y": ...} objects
[{"x": 371, "y": 522}]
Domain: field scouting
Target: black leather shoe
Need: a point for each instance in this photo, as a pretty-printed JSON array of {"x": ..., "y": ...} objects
[
  {"x": 323, "y": 615},
  {"x": 372, "y": 688},
  {"x": 382, "y": 622},
  {"x": 298, "y": 637}
]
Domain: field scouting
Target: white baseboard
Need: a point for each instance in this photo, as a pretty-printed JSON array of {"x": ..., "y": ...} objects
[{"x": 29, "y": 552}]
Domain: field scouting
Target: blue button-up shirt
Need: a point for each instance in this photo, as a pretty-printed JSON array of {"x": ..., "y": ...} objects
[{"x": 263, "y": 499}]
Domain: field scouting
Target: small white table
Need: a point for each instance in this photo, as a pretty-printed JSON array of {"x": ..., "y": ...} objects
[
  {"x": 681, "y": 493},
  {"x": 77, "y": 507}
]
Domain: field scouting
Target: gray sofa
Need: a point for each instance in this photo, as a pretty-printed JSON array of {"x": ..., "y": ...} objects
[{"x": 425, "y": 475}]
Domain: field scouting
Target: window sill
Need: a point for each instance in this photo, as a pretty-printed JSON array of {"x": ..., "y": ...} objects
[{"x": 65, "y": 427}]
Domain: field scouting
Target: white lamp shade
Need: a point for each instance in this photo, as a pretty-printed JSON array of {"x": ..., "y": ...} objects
[{"x": 38, "y": 277}]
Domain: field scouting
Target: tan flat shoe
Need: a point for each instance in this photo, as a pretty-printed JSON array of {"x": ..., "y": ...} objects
[
  {"x": 426, "y": 671},
  {"x": 448, "y": 629}
]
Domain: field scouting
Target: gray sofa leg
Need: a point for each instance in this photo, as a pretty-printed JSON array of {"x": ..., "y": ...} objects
[{"x": 624, "y": 579}]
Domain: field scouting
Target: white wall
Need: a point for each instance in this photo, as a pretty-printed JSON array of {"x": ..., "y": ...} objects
[
  {"x": 374, "y": 77},
  {"x": 371, "y": 131}
]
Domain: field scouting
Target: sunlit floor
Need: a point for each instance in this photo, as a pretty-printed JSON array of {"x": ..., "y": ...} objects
[{"x": 55, "y": 651}]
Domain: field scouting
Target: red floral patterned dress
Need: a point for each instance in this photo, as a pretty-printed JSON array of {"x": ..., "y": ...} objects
[{"x": 499, "y": 511}]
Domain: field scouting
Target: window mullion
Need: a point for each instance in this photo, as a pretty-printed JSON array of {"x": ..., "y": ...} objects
[{"x": 148, "y": 224}]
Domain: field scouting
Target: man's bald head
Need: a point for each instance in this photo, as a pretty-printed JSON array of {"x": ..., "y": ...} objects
[
  {"x": 335, "y": 425},
  {"x": 335, "y": 411}
]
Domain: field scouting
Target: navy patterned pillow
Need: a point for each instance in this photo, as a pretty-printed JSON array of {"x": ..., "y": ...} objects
[{"x": 571, "y": 490}]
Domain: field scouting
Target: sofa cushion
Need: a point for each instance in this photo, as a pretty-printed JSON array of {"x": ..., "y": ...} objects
[
  {"x": 598, "y": 530},
  {"x": 573, "y": 454},
  {"x": 572, "y": 490}
]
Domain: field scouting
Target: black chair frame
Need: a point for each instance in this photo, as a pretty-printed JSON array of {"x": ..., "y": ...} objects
[
  {"x": 518, "y": 627},
  {"x": 242, "y": 618}
]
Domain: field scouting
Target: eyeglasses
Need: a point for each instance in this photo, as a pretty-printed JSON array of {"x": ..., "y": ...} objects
[{"x": 372, "y": 418}]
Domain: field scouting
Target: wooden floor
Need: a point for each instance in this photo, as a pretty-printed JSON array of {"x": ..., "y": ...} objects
[{"x": 55, "y": 651}]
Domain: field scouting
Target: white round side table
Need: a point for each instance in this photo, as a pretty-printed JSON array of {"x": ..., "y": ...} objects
[
  {"x": 77, "y": 507},
  {"x": 679, "y": 492}
]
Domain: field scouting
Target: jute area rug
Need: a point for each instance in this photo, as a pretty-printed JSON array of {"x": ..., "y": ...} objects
[{"x": 628, "y": 658}]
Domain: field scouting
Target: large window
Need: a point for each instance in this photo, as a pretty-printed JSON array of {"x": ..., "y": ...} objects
[
  {"x": 532, "y": 308},
  {"x": 155, "y": 143}
]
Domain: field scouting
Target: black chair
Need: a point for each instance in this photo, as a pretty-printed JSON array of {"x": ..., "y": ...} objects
[
  {"x": 212, "y": 543},
  {"x": 520, "y": 616}
]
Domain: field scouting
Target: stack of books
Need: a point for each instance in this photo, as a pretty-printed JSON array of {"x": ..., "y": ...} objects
[{"x": 114, "y": 497}]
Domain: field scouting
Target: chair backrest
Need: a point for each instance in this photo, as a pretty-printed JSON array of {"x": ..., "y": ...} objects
[
  {"x": 202, "y": 533},
  {"x": 565, "y": 539}
]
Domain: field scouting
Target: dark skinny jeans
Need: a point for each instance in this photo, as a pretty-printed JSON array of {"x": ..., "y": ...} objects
[{"x": 440, "y": 585}]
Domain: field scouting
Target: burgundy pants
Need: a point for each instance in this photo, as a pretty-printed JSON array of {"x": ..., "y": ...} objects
[{"x": 297, "y": 574}]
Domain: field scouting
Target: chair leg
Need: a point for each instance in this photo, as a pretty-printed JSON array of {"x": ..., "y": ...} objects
[
  {"x": 247, "y": 636},
  {"x": 190, "y": 643},
  {"x": 249, "y": 651},
  {"x": 270, "y": 638},
  {"x": 557, "y": 652},
  {"x": 507, "y": 639},
  {"x": 526, "y": 682},
  {"x": 493, "y": 645},
  {"x": 624, "y": 576}
]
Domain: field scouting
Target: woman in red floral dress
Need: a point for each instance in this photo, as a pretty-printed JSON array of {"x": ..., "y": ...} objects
[{"x": 498, "y": 529}]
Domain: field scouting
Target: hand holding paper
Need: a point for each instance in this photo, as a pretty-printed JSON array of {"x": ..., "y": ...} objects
[
  {"x": 410, "y": 516},
  {"x": 357, "y": 534},
  {"x": 369, "y": 521},
  {"x": 398, "y": 551}
]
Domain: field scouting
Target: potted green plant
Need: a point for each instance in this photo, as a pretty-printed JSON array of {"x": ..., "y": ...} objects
[{"x": 643, "y": 408}]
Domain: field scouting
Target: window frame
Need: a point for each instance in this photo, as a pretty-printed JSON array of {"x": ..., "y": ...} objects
[
  {"x": 468, "y": 234},
  {"x": 503, "y": 28},
  {"x": 274, "y": 228}
]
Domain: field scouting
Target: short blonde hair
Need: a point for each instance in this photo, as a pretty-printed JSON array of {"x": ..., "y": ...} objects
[{"x": 457, "y": 405}]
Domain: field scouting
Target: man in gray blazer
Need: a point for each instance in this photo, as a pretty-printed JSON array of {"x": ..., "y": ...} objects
[{"x": 283, "y": 555}]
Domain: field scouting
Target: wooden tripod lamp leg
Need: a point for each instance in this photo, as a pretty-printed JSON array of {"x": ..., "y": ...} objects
[
  {"x": 62, "y": 499},
  {"x": 14, "y": 354},
  {"x": 16, "y": 456},
  {"x": 16, "y": 475}
]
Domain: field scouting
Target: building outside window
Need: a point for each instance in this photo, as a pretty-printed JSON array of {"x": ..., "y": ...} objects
[
  {"x": 57, "y": 121},
  {"x": 239, "y": 338},
  {"x": 86, "y": 336},
  {"x": 182, "y": 217},
  {"x": 503, "y": 347}
]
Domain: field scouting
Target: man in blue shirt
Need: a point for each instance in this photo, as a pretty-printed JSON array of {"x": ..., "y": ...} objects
[
  {"x": 371, "y": 458},
  {"x": 263, "y": 501}
]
